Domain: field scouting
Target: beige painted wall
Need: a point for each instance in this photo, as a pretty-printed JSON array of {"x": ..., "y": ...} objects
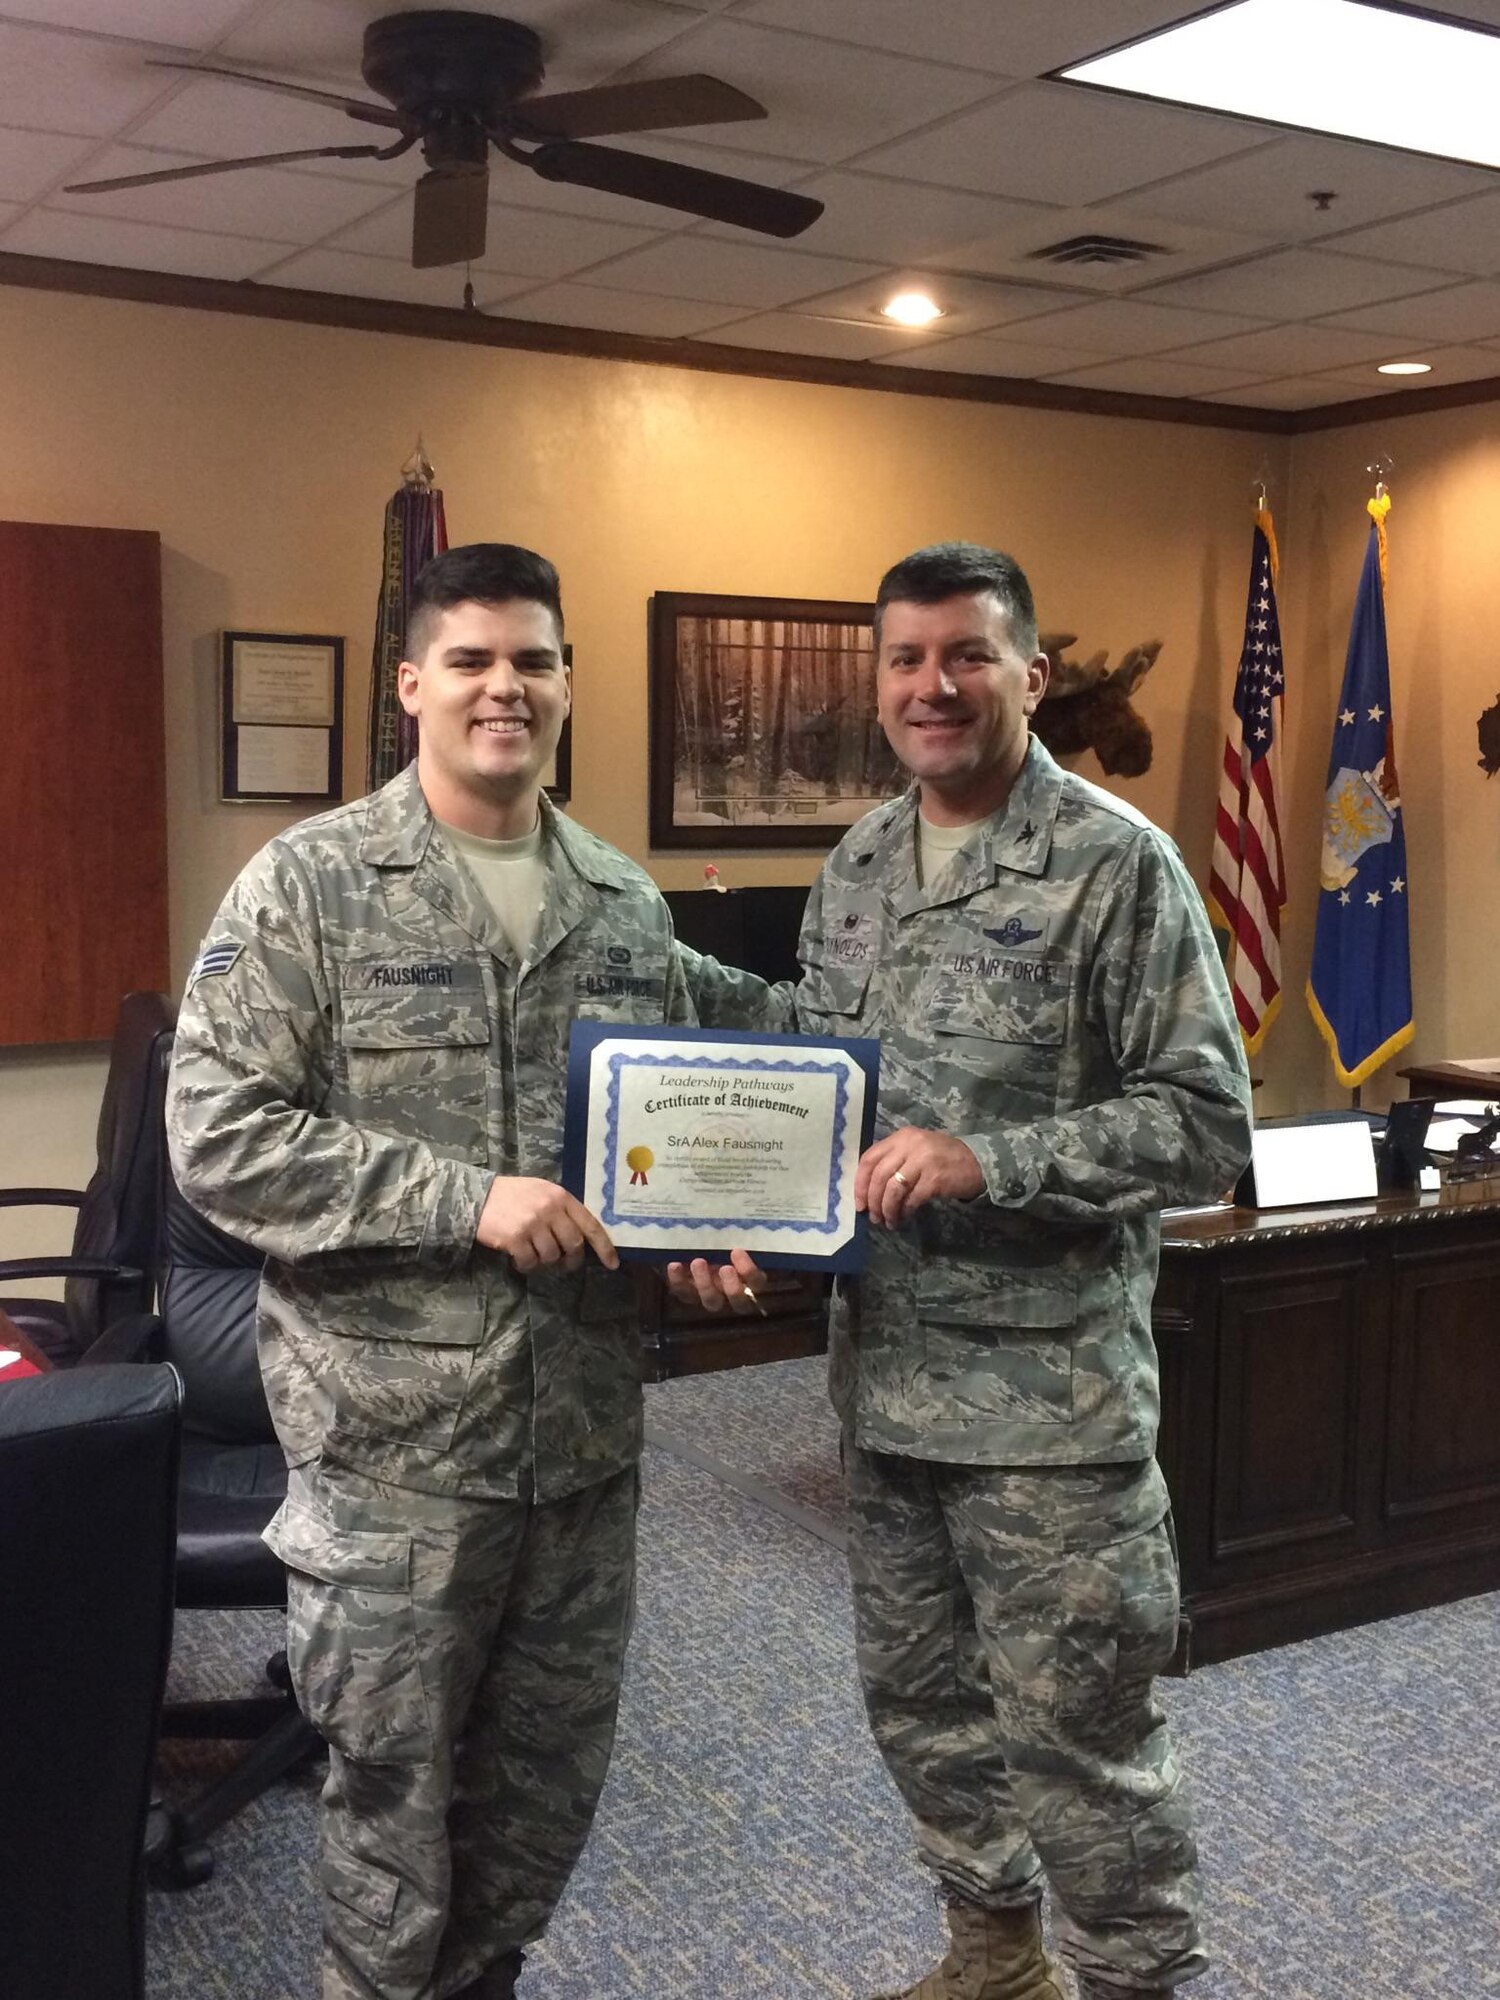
[{"x": 264, "y": 453}]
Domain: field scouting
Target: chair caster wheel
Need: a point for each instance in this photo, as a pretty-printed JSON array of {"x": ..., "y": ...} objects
[
  {"x": 172, "y": 1863},
  {"x": 180, "y": 1868},
  {"x": 278, "y": 1673}
]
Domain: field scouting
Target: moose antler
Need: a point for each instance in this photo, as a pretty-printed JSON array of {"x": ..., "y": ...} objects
[{"x": 1088, "y": 708}]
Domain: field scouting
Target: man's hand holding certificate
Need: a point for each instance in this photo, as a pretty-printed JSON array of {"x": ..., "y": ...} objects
[{"x": 685, "y": 1143}]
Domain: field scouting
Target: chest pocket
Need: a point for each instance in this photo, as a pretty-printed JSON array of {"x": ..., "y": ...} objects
[
  {"x": 416, "y": 1062},
  {"x": 1007, "y": 1036}
]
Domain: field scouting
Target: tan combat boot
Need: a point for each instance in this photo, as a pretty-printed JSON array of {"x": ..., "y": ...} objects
[{"x": 995, "y": 1955}]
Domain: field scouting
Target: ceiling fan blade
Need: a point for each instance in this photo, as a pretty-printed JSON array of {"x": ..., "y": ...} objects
[
  {"x": 449, "y": 216},
  {"x": 651, "y": 105},
  {"x": 225, "y": 167},
  {"x": 371, "y": 114},
  {"x": 720, "y": 197}
]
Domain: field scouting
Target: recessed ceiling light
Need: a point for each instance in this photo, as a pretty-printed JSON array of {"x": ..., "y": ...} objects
[
  {"x": 1404, "y": 368},
  {"x": 912, "y": 309},
  {"x": 1352, "y": 67}
]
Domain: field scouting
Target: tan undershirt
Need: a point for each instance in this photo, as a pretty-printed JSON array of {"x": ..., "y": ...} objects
[
  {"x": 938, "y": 845},
  {"x": 513, "y": 877}
]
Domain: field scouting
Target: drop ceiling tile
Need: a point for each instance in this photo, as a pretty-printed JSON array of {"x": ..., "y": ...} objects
[
  {"x": 1130, "y": 326},
  {"x": 1020, "y": 38},
  {"x": 1265, "y": 192},
  {"x": 281, "y": 207},
  {"x": 368, "y": 278},
  {"x": 608, "y": 312},
  {"x": 895, "y": 223},
  {"x": 1289, "y": 350},
  {"x": 733, "y": 274},
  {"x": 72, "y": 83},
  {"x": 31, "y": 161},
  {"x": 1053, "y": 142},
  {"x": 189, "y": 24},
  {"x": 795, "y": 333},
  {"x": 970, "y": 304},
  {"x": 138, "y": 246},
  {"x": 978, "y": 354},
  {"x": 826, "y": 100},
  {"x": 1458, "y": 312},
  {"x": 524, "y": 242},
  {"x": 583, "y": 41},
  {"x": 224, "y": 121},
  {"x": 1295, "y": 284},
  {"x": 1449, "y": 364},
  {"x": 1020, "y": 249},
  {"x": 1464, "y": 236},
  {"x": 1153, "y": 375},
  {"x": 1298, "y": 392}
]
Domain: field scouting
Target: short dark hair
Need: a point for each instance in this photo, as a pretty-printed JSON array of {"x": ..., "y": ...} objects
[
  {"x": 961, "y": 569},
  {"x": 478, "y": 573}
]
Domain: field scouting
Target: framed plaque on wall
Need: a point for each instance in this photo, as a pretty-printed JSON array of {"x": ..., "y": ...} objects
[{"x": 282, "y": 716}]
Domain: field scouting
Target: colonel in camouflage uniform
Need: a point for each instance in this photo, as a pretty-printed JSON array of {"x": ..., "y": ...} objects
[
  {"x": 1059, "y": 1061},
  {"x": 368, "y": 1086}
]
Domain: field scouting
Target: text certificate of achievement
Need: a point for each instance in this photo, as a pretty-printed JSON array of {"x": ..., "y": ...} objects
[{"x": 689, "y": 1142}]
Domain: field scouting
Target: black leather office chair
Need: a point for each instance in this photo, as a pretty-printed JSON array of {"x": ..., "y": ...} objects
[
  {"x": 88, "y": 1466},
  {"x": 108, "y": 1270},
  {"x": 233, "y": 1479}
]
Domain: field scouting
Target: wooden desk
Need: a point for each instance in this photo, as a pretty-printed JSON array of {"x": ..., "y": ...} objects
[
  {"x": 1451, "y": 1080},
  {"x": 1330, "y": 1383}
]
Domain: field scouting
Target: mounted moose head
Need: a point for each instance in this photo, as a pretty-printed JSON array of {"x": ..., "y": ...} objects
[{"x": 1086, "y": 707}]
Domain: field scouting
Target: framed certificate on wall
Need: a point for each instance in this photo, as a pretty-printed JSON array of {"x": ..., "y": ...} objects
[{"x": 282, "y": 716}]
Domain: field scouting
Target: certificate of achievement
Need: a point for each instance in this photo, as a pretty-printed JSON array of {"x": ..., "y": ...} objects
[{"x": 689, "y": 1142}]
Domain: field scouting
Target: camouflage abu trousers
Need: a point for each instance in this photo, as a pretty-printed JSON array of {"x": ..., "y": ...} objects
[
  {"x": 1009, "y": 1624},
  {"x": 463, "y": 1658}
]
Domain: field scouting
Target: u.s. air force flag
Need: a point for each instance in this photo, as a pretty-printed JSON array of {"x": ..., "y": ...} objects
[{"x": 1360, "y": 986}]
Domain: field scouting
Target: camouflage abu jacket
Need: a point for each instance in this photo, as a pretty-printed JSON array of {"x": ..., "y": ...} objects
[
  {"x": 356, "y": 1059},
  {"x": 1058, "y": 1003}
]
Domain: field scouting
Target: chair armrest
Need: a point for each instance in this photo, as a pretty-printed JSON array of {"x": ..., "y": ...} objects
[
  {"x": 137, "y": 1337},
  {"x": 12, "y": 1268},
  {"x": 26, "y": 1197}
]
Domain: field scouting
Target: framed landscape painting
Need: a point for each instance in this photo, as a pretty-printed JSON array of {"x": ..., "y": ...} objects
[{"x": 763, "y": 723}]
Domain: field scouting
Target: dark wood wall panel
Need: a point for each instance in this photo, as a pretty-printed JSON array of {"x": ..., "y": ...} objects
[
  {"x": 82, "y": 806},
  {"x": 1444, "y": 1449}
]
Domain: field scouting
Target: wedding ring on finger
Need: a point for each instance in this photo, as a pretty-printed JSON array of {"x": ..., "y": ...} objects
[{"x": 899, "y": 1176}]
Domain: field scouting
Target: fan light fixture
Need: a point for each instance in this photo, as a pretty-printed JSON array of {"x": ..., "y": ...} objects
[
  {"x": 1355, "y": 68},
  {"x": 912, "y": 309},
  {"x": 1404, "y": 368}
]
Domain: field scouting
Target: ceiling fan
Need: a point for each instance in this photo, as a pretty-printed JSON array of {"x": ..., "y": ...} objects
[{"x": 459, "y": 82}]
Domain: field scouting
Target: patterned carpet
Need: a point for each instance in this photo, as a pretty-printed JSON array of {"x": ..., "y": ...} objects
[{"x": 750, "y": 1846}]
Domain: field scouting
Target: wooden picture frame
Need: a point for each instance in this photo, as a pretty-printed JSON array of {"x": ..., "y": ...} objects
[
  {"x": 763, "y": 729},
  {"x": 281, "y": 734}
]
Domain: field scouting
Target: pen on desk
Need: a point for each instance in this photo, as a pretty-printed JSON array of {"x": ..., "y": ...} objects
[{"x": 754, "y": 1301}]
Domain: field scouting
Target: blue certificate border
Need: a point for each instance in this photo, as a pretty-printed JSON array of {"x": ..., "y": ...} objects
[{"x": 783, "y": 1052}]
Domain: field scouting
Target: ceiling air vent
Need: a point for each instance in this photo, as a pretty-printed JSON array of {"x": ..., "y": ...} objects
[{"x": 1096, "y": 250}]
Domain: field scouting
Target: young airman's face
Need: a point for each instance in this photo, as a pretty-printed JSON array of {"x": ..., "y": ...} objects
[{"x": 490, "y": 695}]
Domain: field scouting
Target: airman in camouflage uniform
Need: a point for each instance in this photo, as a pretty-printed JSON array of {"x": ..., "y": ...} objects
[
  {"x": 369, "y": 1085},
  {"x": 1059, "y": 1061}
]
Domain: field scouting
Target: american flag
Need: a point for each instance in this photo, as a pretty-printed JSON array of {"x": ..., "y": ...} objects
[{"x": 1247, "y": 881}]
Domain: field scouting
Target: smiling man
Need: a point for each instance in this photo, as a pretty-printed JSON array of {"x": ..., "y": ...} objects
[
  {"x": 368, "y": 1086},
  {"x": 1058, "y": 1062}
]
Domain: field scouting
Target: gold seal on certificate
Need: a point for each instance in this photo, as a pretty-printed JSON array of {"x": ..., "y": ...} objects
[{"x": 687, "y": 1142}]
